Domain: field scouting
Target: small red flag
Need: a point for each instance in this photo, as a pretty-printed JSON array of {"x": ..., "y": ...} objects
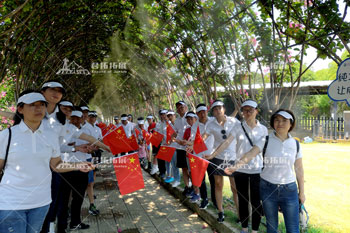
[
  {"x": 137, "y": 132},
  {"x": 128, "y": 172},
  {"x": 166, "y": 153},
  {"x": 198, "y": 144},
  {"x": 156, "y": 138},
  {"x": 147, "y": 136},
  {"x": 198, "y": 168},
  {"x": 133, "y": 142},
  {"x": 169, "y": 132},
  {"x": 116, "y": 139}
]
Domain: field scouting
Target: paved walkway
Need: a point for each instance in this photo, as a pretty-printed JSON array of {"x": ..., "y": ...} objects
[{"x": 151, "y": 209}]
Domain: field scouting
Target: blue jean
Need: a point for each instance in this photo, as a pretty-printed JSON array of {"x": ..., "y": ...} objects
[
  {"x": 23, "y": 221},
  {"x": 174, "y": 169},
  {"x": 284, "y": 196},
  {"x": 167, "y": 166}
]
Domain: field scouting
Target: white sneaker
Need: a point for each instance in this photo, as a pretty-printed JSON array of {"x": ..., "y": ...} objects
[
  {"x": 52, "y": 227},
  {"x": 175, "y": 184},
  {"x": 154, "y": 170}
]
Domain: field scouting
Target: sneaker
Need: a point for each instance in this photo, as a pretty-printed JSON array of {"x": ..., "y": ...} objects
[
  {"x": 204, "y": 204},
  {"x": 169, "y": 179},
  {"x": 154, "y": 170},
  {"x": 195, "y": 198},
  {"x": 221, "y": 217},
  {"x": 93, "y": 210},
  {"x": 190, "y": 193},
  {"x": 186, "y": 190},
  {"x": 80, "y": 226},
  {"x": 175, "y": 184},
  {"x": 52, "y": 227}
]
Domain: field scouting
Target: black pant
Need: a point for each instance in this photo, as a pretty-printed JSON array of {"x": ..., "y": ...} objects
[
  {"x": 76, "y": 183},
  {"x": 55, "y": 203},
  {"x": 210, "y": 170},
  {"x": 161, "y": 167},
  {"x": 245, "y": 183}
]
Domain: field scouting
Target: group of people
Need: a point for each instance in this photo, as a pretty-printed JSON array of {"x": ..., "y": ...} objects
[
  {"x": 48, "y": 157},
  {"x": 264, "y": 169},
  {"x": 46, "y": 161}
]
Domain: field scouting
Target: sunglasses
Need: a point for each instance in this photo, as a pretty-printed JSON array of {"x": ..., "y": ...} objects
[{"x": 223, "y": 132}]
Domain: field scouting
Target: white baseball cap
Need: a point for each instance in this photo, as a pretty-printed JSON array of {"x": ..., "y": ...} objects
[
  {"x": 217, "y": 103},
  {"x": 66, "y": 103},
  {"x": 250, "y": 103},
  {"x": 84, "y": 108},
  {"x": 77, "y": 113},
  {"x": 31, "y": 98},
  {"x": 53, "y": 85},
  {"x": 285, "y": 115}
]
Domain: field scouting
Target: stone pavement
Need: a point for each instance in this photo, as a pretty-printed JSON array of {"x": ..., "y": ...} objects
[{"x": 151, "y": 209}]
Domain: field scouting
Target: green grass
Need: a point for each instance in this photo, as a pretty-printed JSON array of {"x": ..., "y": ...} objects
[{"x": 327, "y": 187}]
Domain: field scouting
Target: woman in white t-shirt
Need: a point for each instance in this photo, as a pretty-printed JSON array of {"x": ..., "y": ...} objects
[
  {"x": 282, "y": 158},
  {"x": 248, "y": 178},
  {"x": 220, "y": 128},
  {"x": 25, "y": 188}
]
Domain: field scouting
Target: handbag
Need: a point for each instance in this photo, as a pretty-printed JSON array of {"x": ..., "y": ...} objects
[{"x": 7, "y": 153}]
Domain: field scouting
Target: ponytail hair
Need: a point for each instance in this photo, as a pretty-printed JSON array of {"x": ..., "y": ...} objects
[{"x": 18, "y": 117}]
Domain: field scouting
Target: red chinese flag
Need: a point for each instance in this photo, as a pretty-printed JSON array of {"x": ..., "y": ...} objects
[
  {"x": 133, "y": 142},
  {"x": 169, "y": 132},
  {"x": 101, "y": 125},
  {"x": 198, "y": 168},
  {"x": 104, "y": 128},
  {"x": 147, "y": 136},
  {"x": 118, "y": 142},
  {"x": 198, "y": 144},
  {"x": 166, "y": 153},
  {"x": 128, "y": 172},
  {"x": 156, "y": 138},
  {"x": 137, "y": 132}
]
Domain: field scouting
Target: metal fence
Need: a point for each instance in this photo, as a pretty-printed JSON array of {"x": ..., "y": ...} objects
[{"x": 324, "y": 127}]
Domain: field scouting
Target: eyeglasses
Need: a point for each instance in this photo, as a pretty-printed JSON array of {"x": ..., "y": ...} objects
[
  {"x": 248, "y": 110},
  {"x": 224, "y": 136}
]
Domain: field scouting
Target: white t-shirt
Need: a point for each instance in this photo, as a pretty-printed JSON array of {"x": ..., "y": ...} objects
[
  {"x": 161, "y": 128},
  {"x": 279, "y": 159},
  {"x": 230, "y": 127},
  {"x": 243, "y": 146},
  {"x": 51, "y": 121},
  {"x": 180, "y": 125},
  {"x": 128, "y": 128},
  {"x": 26, "y": 183},
  {"x": 72, "y": 133},
  {"x": 80, "y": 156},
  {"x": 209, "y": 142}
]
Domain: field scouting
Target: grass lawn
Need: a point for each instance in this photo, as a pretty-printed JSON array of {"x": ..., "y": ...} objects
[{"x": 327, "y": 186}]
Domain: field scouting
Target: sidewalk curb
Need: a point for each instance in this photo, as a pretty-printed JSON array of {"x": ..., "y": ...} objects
[{"x": 207, "y": 215}]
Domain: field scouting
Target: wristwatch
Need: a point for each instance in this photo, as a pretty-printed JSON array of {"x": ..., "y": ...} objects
[{"x": 73, "y": 149}]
